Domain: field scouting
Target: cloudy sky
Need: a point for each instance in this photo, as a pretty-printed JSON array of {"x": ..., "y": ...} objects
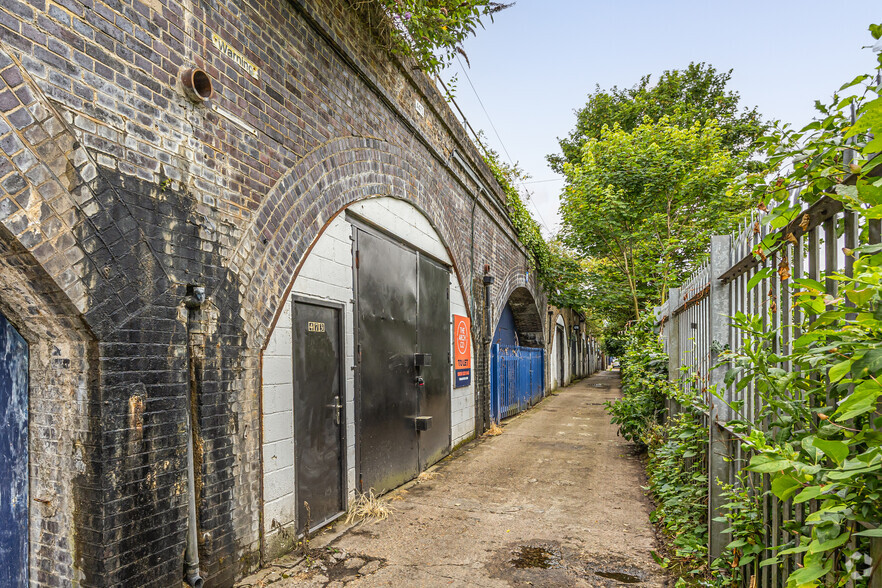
[{"x": 541, "y": 58}]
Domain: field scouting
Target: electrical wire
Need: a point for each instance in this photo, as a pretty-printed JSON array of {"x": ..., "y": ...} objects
[{"x": 501, "y": 142}]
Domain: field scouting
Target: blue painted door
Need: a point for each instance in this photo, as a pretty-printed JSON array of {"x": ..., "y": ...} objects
[
  {"x": 13, "y": 456},
  {"x": 517, "y": 379}
]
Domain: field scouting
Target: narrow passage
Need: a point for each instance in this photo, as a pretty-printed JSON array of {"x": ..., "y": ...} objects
[{"x": 555, "y": 500}]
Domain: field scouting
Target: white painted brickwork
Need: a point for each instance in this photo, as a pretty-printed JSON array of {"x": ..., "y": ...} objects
[
  {"x": 327, "y": 275},
  {"x": 462, "y": 401}
]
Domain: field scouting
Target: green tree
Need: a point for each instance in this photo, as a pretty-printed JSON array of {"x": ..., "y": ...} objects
[
  {"x": 647, "y": 201},
  {"x": 646, "y": 167},
  {"x": 696, "y": 94}
]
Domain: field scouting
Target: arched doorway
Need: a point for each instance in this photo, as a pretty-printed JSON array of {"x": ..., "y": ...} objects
[
  {"x": 517, "y": 357},
  {"x": 377, "y": 292},
  {"x": 561, "y": 353}
]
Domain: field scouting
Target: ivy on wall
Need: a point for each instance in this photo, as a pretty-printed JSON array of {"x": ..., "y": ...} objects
[
  {"x": 429, "y": 31},
  {"x": 561, "y": 273}
]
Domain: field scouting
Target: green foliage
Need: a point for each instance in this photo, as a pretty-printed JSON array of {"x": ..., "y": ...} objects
[
  {"x": 678, "y": 482},
  {"x": 561, "y": 273},
  {"x": 644, "y": 384},
  {"x": 696, "y": 94},
  {"x": 823, "y": 443},
  {"x": 814, "y": 433},
  {"x": 615, "y": 346},
  {"x": 646, "y": 171},
  {"x": 430, "y": 31},
  {"x": 744, "y": 516},
  {"x": 646, "y": 202}
]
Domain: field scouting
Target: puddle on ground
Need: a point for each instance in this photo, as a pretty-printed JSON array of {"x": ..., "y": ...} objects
[
  {"x": 535, "y": 557},
  {"x": 620, "y": 577}
]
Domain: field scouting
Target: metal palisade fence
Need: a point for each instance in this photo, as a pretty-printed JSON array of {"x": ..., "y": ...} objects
[{"x": 696, "y": 327}]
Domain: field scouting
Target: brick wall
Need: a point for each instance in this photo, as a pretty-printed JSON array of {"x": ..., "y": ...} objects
[{"x": 116, "y": 193}]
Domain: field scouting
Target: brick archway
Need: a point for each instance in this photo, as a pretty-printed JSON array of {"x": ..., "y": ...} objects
[
  {"x": 296, "y": 210},
  {"x": 527, "y": 318}
]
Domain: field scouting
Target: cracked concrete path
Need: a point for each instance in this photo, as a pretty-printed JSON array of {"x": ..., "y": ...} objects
[{"x": 555, "y": 500}]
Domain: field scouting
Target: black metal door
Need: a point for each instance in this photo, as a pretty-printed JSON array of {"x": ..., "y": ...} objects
[
  {"x": 434, "y": 339},
  {"x": 387, "y": 327},
  {"x": 318, "y": 413},
  {"x": 13, "y": 456}
]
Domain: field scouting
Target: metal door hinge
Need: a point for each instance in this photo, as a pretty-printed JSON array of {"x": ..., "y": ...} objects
[{"x": 356, "y": 259}]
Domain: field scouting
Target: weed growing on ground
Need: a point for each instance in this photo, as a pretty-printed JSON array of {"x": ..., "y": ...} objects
[
  {"x": 426, "y": 477},
  {"x": 744, "y": 515},
  {"x": 367, "y": 506},
  {"x": 494, "y": 430},
  {"x": 678, "y": 483}
]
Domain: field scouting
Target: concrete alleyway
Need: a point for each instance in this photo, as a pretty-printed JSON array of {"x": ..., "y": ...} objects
[{"x": 558, "y": 482}]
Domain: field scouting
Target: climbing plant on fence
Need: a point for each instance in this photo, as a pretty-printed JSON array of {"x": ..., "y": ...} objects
[
  {"x": 802, "y": 366},
  {"x": 678, "y": 483},
  {"x": 815, "y": 432},
  {"x": 795, "y": 399}
]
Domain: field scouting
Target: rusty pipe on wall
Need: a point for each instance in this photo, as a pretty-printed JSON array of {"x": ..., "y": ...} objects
[{"x": 192, "y": 574}]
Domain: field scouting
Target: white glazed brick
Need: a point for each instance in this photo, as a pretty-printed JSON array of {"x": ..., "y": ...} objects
[
  {"x": 327, "y": 274},
  {"x": 278, "y": 426},
  {"x": 314, "y": 288},
  {"x": 350, "y": 479},
  {"x": 278, "y": 455},
  {"x": 281, "y": 511},
  {"x": 461, "y": 432},
  {"x": 278, "y": 369},
  {"x": 278, "y": 398},
  {"x": 278, "y": 484},
  {"x": 280, "y": 341},
  {"x": 462, "y": 413}
]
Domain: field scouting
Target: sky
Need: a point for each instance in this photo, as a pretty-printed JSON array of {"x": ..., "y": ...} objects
[{"x": 540, "y": 59}]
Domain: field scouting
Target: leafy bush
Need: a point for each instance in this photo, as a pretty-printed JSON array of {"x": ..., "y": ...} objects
[
  {"x": 432, "y": 32},
  {"x": 745, "y": 518},
  {"x": 644, "y": 383},
  {"x": 814, "y": 435},
  {"x": 678, "y": 483}
]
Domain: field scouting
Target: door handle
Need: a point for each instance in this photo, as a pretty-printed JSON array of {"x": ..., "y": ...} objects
[{"x": 337, "y": 408}]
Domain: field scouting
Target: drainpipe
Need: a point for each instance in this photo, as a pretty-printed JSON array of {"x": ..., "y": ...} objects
[
  {"x": 193, "y": 302},
  {"x": 485, "y": 404}
]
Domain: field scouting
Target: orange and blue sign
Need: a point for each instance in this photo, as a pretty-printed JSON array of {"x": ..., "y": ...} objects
[{"x": 462, "y": 351}]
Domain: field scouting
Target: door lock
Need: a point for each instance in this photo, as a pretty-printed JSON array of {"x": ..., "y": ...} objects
[{"x": 337, "y": 408}]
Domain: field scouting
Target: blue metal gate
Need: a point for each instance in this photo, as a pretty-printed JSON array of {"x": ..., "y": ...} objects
[
  {"x": 13, "y": 456},
  {"x": 517, "y": 379}
]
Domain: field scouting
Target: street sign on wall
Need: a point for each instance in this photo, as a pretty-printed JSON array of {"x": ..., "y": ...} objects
[{"x": 462, "y": 351}]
